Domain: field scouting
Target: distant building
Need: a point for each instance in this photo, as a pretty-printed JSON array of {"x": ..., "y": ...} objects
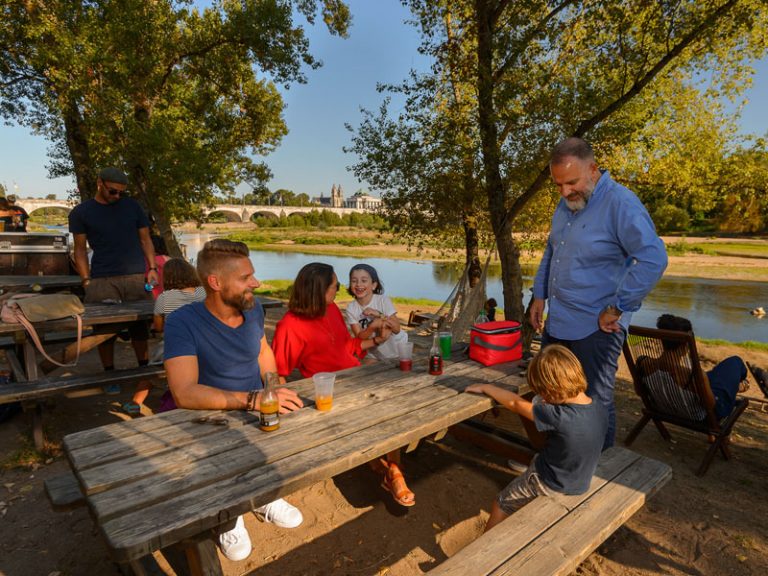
[
  {"x": 361, "y": 200},
  {"x": 335, "y": 201}
]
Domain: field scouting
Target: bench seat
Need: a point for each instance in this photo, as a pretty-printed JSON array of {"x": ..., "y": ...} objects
[
  {"x": 60, "y": 385},
  {"x": 553, "y": 535}
]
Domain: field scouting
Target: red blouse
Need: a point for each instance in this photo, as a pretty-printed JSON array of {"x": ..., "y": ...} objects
[{"x": 315, "y": 344}]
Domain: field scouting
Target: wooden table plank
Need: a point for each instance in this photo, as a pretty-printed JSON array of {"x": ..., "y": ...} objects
[
  {"x": 140, "y": 532},
  {"x": 231, "y": 450},
  {"x": 531, "y": 521},
  {"x": 230, "y": 454},
  {"x": 115, "y": 442}
]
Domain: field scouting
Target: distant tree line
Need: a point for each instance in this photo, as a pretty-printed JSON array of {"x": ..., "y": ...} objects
[{"x": 324, "y": 219}]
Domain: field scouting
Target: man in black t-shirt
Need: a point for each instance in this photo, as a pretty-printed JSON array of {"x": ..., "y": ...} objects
[{"x": 117, "y": 229}]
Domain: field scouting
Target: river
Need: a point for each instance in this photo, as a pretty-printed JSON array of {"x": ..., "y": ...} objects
[{"x": 717, "y": 308}]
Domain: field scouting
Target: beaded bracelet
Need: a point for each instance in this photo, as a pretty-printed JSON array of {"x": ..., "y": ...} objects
[{"x": 250, "y": 403}]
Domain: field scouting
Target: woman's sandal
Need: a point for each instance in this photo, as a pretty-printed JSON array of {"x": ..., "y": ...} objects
[
  {"x": 394, "y": 483},
  {"x": 131, "y": 408}
]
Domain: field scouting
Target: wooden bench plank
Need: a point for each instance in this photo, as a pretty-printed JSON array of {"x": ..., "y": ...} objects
[
  {"x": 570, "y": 541},
  {"x": 485, "y": 554},
  {"x": 64, "y": 491},
  {"x": 43, "y": 387}
]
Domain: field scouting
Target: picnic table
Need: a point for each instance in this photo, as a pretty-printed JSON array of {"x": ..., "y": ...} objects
[{"x": 170, "y": 480}]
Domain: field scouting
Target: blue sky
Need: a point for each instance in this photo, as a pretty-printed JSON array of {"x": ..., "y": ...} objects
[{"x": 380, "y": 48}]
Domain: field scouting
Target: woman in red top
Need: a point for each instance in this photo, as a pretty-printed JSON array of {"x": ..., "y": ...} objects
[{"x": 313, "y": 337}]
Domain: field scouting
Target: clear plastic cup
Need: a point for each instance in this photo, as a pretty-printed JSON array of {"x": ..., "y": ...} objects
[
  {"x": 405, "y": 353},
  {"x": 324, "y": 382}
]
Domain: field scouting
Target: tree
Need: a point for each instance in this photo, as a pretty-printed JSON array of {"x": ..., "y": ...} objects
[
  {"x": 50, "y": 197},
  {"x": 541, "y": 71},
  {"x": 176, "y": 95}
]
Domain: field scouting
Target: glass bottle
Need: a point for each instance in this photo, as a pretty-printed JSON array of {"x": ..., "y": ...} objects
[
  {"x": 269, "y": 407},
  {"x": 435, "y": 358}
]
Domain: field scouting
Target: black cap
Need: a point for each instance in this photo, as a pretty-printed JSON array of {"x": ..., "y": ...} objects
[{"x": 113, "y": 175}]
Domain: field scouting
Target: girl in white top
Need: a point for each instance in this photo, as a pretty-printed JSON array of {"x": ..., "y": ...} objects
[{"x": 372, "y": 313}]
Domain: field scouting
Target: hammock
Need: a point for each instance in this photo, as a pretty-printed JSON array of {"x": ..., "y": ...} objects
[{"x": 459, "y": 311}]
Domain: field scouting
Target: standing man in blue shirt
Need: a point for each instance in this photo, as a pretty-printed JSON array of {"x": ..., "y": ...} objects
[
  {"x": 117, "y": 229},
  {"x": 603, "y": 257}
]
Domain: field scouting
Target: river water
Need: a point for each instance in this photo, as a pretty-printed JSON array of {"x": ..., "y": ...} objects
[{"x": 717, "y": 308}]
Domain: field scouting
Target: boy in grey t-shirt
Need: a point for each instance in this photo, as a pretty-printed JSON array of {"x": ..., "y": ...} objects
[{"x": 573, "y": 424}]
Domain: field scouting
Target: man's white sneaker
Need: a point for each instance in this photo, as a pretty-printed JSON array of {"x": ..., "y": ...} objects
[
  {"x": 280, "y": 513},
  {"x": 236, "y": 544}
]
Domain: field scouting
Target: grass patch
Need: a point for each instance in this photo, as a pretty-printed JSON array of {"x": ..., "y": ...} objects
[
  {"x": 275, "y": 288},
  {"x": 681, "y": 248},
  {"x": 25, "y": 457},
  {"x": 747, "y": 345},
  {"x": 415, "y": 301}
]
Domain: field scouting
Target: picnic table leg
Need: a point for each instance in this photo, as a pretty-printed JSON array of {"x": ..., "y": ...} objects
[
  {"x": 30, "y": 369},
  {"x": 203, "y": 558}
]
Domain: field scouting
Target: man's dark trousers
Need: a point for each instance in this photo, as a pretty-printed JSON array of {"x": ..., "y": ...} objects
[{"x": 599, "y": 356}]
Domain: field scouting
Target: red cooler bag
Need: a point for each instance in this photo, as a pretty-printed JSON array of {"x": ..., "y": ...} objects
[{"x": 496, "y": 342}]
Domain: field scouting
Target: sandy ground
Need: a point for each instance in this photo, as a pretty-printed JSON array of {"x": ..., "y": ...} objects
[{"x": 694, "y": 526}]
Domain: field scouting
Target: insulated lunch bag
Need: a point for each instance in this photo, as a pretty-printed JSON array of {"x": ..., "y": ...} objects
[{"x": 495, "y": 342}]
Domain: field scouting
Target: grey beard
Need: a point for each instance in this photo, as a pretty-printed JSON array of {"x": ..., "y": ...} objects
[{"x": 581, "y": 203}]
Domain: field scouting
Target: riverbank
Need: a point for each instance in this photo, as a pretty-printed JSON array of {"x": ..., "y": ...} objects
[{"x": 724, "y": 259}]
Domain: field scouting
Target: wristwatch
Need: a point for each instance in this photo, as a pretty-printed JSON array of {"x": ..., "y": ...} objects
[{"x": 85, "y": 281}]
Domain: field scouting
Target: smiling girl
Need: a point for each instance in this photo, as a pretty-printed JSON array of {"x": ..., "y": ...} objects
[{"x": 371, "y": 312}]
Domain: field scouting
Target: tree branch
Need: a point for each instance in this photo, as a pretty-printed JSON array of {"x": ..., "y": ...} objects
[
  {"x": 528, "y": 38},
  {"x": 618, "y": 103}
]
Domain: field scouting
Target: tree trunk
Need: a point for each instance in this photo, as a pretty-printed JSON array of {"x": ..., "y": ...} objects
[
  {"x": 150, "y": 200},
  {"x": 509, "y": 253},
  {"x": 472, "y": 248},
  {"x": 154, "y": 207},
  {"x": 76, "y": 134}
]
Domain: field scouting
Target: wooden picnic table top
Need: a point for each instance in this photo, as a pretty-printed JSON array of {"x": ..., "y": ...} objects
[
  {"x": 51, "y": 281},
  {"x": 153, "y": 482}
]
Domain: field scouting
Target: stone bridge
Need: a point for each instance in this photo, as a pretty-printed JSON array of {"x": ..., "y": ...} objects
[
  {"x": 233, "y": 212},
  {"x": 244, "y": 212}
]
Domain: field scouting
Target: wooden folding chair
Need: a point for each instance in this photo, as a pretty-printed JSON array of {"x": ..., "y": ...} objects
[{"x": 676, "y": 390}]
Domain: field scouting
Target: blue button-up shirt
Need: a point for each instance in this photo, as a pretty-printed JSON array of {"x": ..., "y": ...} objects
[{"x": 606, "y": 253}]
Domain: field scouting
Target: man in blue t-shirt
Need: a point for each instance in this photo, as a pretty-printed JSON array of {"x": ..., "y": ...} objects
[
  {"x": 215, "y": 354},
  {"x": 117, "y": 230}
]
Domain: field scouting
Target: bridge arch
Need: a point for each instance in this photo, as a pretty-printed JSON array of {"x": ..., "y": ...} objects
[
  {"x": 230, "y": 215},
  {"x": 63, "y": 207},
  {"x": 263, "y": 214}
]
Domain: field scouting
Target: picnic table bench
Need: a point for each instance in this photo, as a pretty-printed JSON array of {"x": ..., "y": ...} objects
[
  {"x": 553, "y": 535},
  {"x": 170, "y": 480}
]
